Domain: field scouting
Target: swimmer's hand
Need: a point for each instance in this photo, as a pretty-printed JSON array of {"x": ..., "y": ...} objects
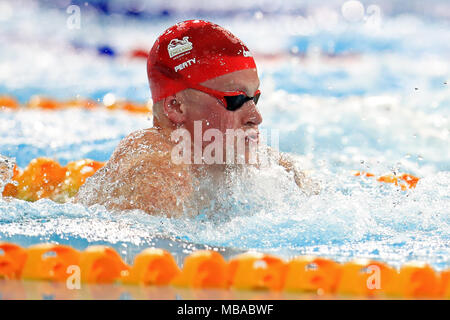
[{"x": 301, "y": 179}]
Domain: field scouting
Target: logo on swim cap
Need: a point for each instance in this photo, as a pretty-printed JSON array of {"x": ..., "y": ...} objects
[
  {"x": 246, "y": 53},
  {"x": 174, "y": 62},
  {"x": 177, "y": 47}
]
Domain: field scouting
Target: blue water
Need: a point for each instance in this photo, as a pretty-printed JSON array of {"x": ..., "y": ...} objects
[{"x": 346, "y": 97}]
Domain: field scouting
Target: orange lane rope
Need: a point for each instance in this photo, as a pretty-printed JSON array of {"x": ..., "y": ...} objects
[
  {"x": 8, "y": 102},
  {"x": 206, "y": 269},
  {"x": 46, "y": 178},
  {"x": 403, "y": 180}
]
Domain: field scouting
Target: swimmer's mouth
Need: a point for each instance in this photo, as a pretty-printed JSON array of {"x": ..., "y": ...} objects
[{"x": 252, "y": 135}]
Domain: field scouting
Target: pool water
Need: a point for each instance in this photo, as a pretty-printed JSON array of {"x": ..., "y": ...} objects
[{"x": 343, "y": 96}]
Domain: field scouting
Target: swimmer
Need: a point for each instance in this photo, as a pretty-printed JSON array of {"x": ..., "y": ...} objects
[{"x": 203, "y": 82}]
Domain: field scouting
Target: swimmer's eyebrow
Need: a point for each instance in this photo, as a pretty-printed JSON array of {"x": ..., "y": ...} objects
[{"x": 246, "y": 89}]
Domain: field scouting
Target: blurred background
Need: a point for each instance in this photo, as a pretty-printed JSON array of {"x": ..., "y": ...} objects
[
  {"x": 339, "y": 75},
  {"x": 349, "y": 85}
]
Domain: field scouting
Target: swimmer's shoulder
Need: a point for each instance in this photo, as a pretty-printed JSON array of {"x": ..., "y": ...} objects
[
  {"x": 150, "y": 141},
  {"x": 149, "y": 136}
]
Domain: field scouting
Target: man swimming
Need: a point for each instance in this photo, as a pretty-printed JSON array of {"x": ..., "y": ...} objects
[{"x": 204, "y": 83}]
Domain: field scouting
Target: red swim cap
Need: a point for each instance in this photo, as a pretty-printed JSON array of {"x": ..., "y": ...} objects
[{"x": 193, "y": 51}]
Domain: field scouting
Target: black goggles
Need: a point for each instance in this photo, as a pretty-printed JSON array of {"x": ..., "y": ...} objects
[{"x": 232, "y": 100}]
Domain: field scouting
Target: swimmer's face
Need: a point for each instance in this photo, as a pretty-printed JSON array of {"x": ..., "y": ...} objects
[{"x": 200, "y": 106}]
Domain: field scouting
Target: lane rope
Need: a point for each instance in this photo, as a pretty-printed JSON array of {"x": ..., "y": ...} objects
[
  {"x": 207, "y": 269},
  {"x": 8, "y": 102}
]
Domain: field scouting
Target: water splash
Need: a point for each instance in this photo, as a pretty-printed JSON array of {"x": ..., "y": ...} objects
[
  {"x": 6, "y": 171},
  {"x": 263, "y": 210}
]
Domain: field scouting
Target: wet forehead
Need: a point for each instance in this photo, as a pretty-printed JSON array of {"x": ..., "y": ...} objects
[{"x": 243, "y": 80}]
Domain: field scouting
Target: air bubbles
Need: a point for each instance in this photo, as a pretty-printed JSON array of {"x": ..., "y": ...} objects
[
  {"x": 109, "y": 99},
  {"x": 6, "y": 171},
  {"x": 353, "y": 11}
]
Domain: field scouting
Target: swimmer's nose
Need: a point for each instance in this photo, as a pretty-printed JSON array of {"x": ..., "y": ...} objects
[{"x": 252, "y": 116}]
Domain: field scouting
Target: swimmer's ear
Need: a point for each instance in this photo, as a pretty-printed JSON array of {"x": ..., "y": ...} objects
[{"x": 174, "y": 110}]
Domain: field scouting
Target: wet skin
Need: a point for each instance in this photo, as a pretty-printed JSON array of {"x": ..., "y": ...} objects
[{"x": 141, "y": 174}]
